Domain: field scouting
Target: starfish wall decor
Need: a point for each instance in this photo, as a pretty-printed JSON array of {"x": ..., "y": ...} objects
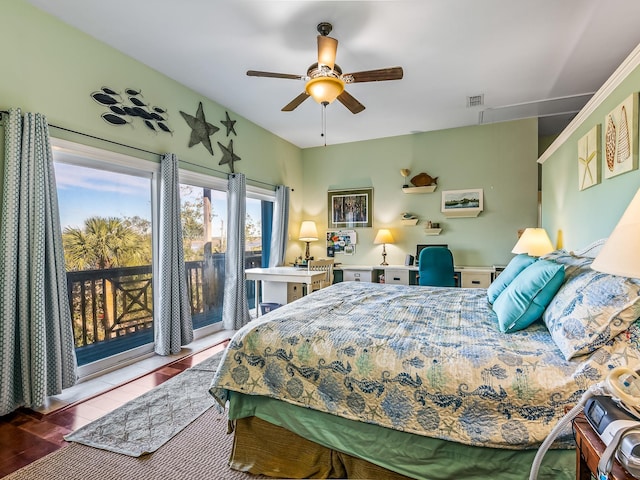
[
  {"x": 230, "y": 124},
  {"x": 200, "y": 129},
  {"x": 228, "y": 156}
]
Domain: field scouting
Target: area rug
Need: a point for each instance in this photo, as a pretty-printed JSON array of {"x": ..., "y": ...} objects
[
  {"x": 200, "y": 451},
  {"x": 146, "y": 423}
]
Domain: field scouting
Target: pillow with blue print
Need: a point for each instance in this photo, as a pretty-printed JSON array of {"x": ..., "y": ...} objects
[
  {"x": 524, "y": 300},
  {"x": 590, "y": 309},
  {"x": 511, "y": 271}
]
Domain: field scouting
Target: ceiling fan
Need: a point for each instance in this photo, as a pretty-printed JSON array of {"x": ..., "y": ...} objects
[{"x": 325, "y": 80}]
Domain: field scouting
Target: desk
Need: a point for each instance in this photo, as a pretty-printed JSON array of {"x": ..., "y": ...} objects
[
  {"x": 468, "y": 277},
  {"x": 281, "y": 274},
  {"x": 589, "y": 450}
]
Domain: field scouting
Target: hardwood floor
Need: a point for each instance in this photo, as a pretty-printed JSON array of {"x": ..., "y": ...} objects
[{"x": 26, "y": 436}]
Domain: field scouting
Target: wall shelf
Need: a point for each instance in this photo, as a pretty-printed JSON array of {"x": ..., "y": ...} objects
[
  {"x": 426, "y": 189},
  {"x": 409, "y": 222},
  {"x": 432, "y": 231},
  {"x": 461, "y": 213}
]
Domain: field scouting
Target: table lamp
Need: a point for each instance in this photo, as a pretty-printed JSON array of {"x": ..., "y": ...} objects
[
  {"x": 620, "y": 255},
  {"x": 383, "y": 237},
  {"x": 534, "y": 242},
  {"x": 308, "y": 233}
]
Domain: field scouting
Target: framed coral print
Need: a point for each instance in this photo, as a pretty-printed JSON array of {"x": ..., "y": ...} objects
[
  {"x": 621, "y": 138},
  {"x": 589, "y": 159},
  {"x": 350, "y": 208}
]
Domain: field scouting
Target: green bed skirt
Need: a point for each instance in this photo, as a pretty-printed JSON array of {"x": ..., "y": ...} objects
[{"x": 411, "y": 455}]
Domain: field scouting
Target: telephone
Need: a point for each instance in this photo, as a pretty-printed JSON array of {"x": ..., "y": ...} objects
[{"x": 612, "y": 408}]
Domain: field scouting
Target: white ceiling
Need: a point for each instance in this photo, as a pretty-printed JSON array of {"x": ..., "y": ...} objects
[{"x": 510, "y": 51}]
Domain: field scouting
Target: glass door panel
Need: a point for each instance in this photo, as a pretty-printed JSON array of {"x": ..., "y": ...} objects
[{"x": 107, "y": 237}]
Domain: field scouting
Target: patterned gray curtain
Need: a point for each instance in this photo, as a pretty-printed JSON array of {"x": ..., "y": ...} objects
[
  {"x": 36, "y": 333},
  {"x": 280, "y": 228},
  {"x": 173, "y": 327},
  {"x": 235, "y": 307}
]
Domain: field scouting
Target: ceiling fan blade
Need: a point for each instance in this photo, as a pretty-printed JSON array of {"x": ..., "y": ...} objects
[
  {"x": 350, "y": 102},
  {"x": 327, "y": 48},
  {"x": 293, "y": 104},
  {"x": 256, "y": 73},
  {"x": 391, "y": 73}
]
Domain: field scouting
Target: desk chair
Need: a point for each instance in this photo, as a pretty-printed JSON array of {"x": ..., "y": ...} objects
[
  {"x": 321, "y": 265},
  {"x": 435, "y": 267}
]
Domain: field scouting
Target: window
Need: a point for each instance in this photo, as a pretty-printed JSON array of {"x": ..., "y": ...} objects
[
  {"x": 204, "y": 223},
  {"x": 107, "y": 204},
  {"x": 106, "y": 213}
]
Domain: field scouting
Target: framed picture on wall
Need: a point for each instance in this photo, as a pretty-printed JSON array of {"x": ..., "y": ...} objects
[
  {"x": 621, "y": 138},
  {"x": 589, "y": 159},
  {"x": 350, "y": 208},
  {"x": 462, "y": 203}
]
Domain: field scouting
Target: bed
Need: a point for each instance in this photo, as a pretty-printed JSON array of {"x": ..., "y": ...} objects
[{"x": 364, "y": 380}]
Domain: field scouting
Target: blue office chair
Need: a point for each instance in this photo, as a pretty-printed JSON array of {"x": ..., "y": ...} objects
[{"x": 435, "y": 267}]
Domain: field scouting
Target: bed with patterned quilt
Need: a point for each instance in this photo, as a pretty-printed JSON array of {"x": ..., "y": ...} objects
[{"x": 427, "y": 382}]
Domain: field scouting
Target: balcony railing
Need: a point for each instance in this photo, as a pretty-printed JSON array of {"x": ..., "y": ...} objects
[{"x": 112, "y": 309}]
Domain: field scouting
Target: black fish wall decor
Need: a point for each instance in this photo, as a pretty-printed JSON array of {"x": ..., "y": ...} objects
[{"x": 124, "y": 108}]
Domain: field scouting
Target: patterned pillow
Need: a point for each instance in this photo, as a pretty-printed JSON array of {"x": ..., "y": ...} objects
[
  {"x": 573, "y": 264},
  {"x": 590, "y": 308}
]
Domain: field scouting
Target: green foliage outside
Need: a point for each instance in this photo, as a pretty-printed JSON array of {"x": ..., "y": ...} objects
[{"x": 111, "y": 242}]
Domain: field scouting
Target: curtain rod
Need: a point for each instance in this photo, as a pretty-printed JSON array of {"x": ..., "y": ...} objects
[{"x": 141, "y": 150}]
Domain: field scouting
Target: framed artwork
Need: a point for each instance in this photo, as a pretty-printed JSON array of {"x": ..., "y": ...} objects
[
  {"x": 462, "y": 203},
  {"x": 589, "y": 159},
  {"x": 350, "y": 208},
  {"x": 621, "y": 138}
]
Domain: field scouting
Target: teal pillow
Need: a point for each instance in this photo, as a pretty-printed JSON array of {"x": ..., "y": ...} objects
[
  {"x": 524, "y": 299},
  {"x": 511, "y": 271}
]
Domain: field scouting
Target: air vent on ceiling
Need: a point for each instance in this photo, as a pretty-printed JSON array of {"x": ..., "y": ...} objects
[
  {"x": 538, "y": 108},
  {"x": 475, "y": 101}
]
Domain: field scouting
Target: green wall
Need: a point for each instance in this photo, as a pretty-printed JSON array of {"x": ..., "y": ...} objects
[
  {"x": 52, "y": 68},
  {"x": 581, "y": 217},
  {"x": 499, "y": 158}
]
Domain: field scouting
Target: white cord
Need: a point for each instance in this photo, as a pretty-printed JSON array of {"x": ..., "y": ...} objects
[{"x": 596, "y": 389}]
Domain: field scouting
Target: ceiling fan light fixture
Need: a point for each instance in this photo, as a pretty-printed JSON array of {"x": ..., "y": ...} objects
[
  {"x": 324, "y": 89},
  {"x": 327, "y": 48}
]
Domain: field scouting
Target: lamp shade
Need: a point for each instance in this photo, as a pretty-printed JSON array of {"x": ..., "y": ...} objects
[
  {"x": 383, "y": 236},
  {"x": 327, "y": 48},
  {"x": 324, "y": 89},
  {"x": 308, "y": 231},
  {"x": 534, "y": 242},
  {"x": 620, "y": 255}
]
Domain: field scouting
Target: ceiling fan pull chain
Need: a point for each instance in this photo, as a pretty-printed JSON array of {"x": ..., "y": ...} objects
[{"x": 324, "y": 122}]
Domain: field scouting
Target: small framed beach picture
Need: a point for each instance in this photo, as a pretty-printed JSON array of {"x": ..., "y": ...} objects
[
  {"x": 621, "y": 138},
  {"x": 462, "y": 203},
  {"x": 589, "y": 159}
]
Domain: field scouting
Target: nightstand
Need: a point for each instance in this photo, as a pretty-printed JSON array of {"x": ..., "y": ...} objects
[{"x": 589, "y": 450}]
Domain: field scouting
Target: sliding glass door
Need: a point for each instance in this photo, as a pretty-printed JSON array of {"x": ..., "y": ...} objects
[
  {"x": 108, "y": 205},
  {"x": 106, "y": 215},
  {"x": 204, "y": 220}
]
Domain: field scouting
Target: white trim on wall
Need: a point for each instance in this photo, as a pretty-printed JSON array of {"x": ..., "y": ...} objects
[{"x": 625, "y": 68}]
